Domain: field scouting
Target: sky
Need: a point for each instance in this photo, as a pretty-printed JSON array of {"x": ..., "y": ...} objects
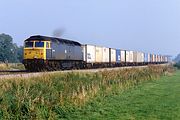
[{"x": 142, "y": 25}]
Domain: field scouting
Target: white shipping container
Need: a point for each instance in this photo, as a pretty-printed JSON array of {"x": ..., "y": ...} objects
[
  {"x": 123, "y": 56},
  {"x": 105, "y": 54},
  {"x": 149, "y": 57},
  {"x": 166, "y": 59},
  {"x": 142, "y": 57},
  {"x": 89, "y": 53},
  {"x": 131, "y": 56},
  {"x": 138, "y": 57},
  {"x": 113, "y": 54},
  {"x": 157, "y": 58},
  {"x": 161, "y": 58},
  {"x": 127, "y": 56},
  {"x": 99, "y": 54},
  {"x": 153, "y": 58},
  {"x": 134, "y": 56}
]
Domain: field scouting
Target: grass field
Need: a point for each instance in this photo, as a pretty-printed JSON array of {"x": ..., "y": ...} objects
[
  {"x": 152, "y": 100},
  {"x": 123, "y": 94}
]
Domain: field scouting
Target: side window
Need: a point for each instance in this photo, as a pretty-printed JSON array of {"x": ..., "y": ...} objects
[{"x": 47, "y": 45}]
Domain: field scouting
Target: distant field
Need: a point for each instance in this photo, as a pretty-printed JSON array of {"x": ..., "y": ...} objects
[{"x": 152, "y": 100}]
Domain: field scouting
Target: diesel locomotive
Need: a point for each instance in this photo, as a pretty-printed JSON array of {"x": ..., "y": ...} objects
[
  {"x": 49, "y": 53},
  {"x": 42, "y": 53}
]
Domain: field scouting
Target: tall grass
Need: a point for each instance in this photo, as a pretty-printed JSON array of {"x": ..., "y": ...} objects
[
  {"x": 3, "y": 66},
  {"x": 54, "y": 96},
  {"x": 11, "y": 66}
]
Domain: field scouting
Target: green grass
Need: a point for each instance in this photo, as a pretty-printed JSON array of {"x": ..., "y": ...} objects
[
  {"x": 76, "y": 95},
  {"x": 152, "y": 100}
]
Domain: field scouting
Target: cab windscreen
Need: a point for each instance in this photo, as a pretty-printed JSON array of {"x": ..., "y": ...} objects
[{"x": 39, "y": 44}]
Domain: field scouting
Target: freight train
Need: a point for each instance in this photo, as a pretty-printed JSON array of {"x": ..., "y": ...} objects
[{"x": 42, "y": 53}]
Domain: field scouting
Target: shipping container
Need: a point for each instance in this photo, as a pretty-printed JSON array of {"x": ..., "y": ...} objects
[
  {"x": 156, "y": 58},
  {"x": 118, "y": 55},
  {"x": 123, "y": 57},
  {"x": 112, "y": 55},
  {"x": 142, "y": 57},
  {"x": 146, "y": 57},
  {"x": 153, "y": 58},
  {"x": 135, "y": 56},
  {"x": 98, "y": 54},
  {"x": 127, "y": 56},
  {"x": 105, "y": 54},
  {"x": 89, "y": 53},
  {"x": 161, "y": 58},
  {"x": 149, "y": 57},
  {"x": 166, "y": 59},
  {"x": 130, "y": 56},
  {"x": 138, "y": 57}
]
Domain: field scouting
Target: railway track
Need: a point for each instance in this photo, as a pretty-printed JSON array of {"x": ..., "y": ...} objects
[{"x": 25, "y": 74}]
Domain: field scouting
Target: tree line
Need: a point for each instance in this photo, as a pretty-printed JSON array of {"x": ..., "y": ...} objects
[
  {"x": 10, "y": 52},
  {"x": 177, "y": 61}
]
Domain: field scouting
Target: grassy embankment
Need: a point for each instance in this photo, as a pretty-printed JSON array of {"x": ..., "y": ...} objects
[
  {"x": 152, "y": 100},
  {"x": 11, "y": 66},
  {"x": 84, "y": 95}
]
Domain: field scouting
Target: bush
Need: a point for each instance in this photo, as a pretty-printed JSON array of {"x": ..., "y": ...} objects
[{"x": 177, "y": 65}]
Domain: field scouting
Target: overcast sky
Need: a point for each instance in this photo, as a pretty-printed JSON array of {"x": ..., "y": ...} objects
[{"x": 143, "y": 25}]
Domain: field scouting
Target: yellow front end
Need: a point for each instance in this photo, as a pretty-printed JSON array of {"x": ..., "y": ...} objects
[{"x": 34, "y": 51}]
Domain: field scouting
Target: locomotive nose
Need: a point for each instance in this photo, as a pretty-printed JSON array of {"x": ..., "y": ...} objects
[{"x": 34, "y": 54}]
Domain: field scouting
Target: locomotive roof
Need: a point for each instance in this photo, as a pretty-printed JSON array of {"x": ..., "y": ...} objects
[{"x": 53, "y": 39}]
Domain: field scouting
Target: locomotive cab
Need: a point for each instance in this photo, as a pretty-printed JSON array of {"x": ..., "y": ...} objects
[
  {"x": 35, "y": 54},
  {"x": 36, "y": 49},
  {"x": 48, "y": 53}
]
